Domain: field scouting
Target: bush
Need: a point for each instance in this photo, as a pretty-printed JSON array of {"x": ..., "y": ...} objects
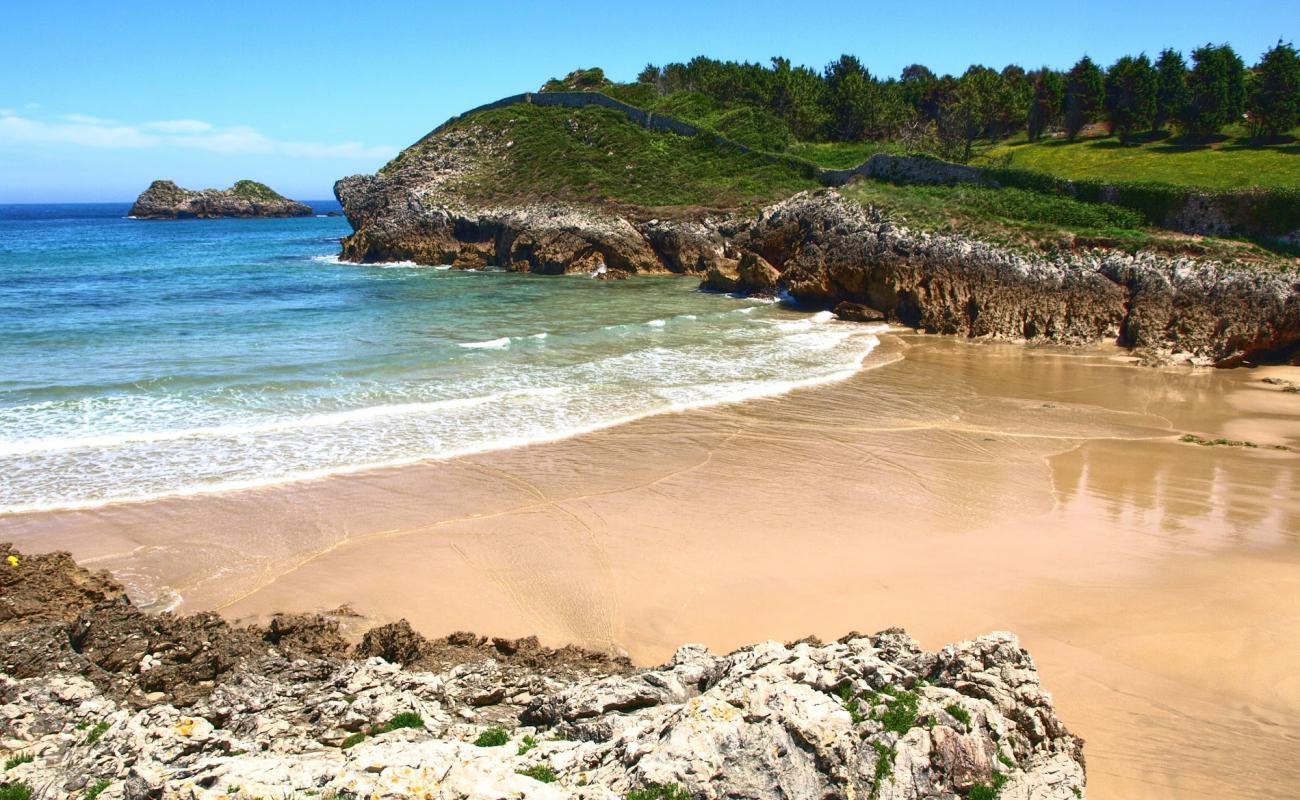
[
  {"x": 659, "y": 791},
  {"x": 756, "y": 129},
  {"x": 539, "y": 772},
  {"x": 492, "y": 737},
  {"x": 408, "y": 719},
  {"x": 958, "y": 713},
  {"x": 21, "y": 758},
  {"x": 98, "y": 788},
  {"x": 900, "y": 712},
  {"x": 15, "y": 791},
  {"x": 352, "y": 741}
]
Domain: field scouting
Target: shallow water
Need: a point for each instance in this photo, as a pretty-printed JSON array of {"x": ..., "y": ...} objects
[{"x": 142, "y": 359}]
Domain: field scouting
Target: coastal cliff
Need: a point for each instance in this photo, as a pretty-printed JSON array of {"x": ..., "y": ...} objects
[
  {"x": 460, "y": 197},
  {"x": 98, "y": 695},
  {"x": 166, "y": 200}
]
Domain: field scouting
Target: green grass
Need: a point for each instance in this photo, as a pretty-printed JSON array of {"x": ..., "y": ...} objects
[
  {"x": 492, "y": 737},
  {"x": 851, "y": 704},
  {"x": 21, "y": 758},
  {"x": 658, "y": 791},
  {"x": 987, "y": 791},
  {"x": 840, "y": 155},
  {"x": 98, "y": 787},
  {"x": 528, "y": 743},
  {"x": 252, "y": 190},
  {"x": 96, "y": 732},
  {"x": 1230, "y": 164},
  {"x": 900, "y": 711},
  {"x": 958, "y": 713},
  {"x": 352, "y": 741},
  {"x": 595, "y": 154},
  {"x": 539, "y": 772},
  {"x": 884, "y": 765},
  {"x": 408, "y": 719},
  {"x": 1044, "y": 222},
  {"x": 15, "y": 791}
]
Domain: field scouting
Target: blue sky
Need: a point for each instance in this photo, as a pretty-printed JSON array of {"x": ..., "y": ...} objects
[{"x": 99, "y": 98}]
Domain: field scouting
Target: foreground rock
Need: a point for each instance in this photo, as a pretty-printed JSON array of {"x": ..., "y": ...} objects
[
  {"x": 822, "y": 250},
  {"x": 162, "y": 706},
  {"x": 166, "y": 200}
]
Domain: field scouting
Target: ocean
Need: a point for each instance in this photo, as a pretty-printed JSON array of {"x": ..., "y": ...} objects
[{"x": 140, "y": 359}]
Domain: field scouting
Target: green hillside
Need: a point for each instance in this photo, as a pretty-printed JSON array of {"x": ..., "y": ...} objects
[{"x": 596, "y": 154}]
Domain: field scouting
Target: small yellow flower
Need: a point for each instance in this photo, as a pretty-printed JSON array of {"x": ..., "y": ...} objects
[{"x": 13, "y": 561}]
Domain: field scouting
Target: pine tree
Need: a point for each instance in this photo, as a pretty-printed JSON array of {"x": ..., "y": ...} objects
[
  {"x": 1085, "y": 88},
  {"x": 1130, "y": 96},
  {"x": 1216, "y": 90},
  {"x": 1274, "y": 105},
  {"x": 1171, "y": 88},
  {"x": 1049, "y": 89}
]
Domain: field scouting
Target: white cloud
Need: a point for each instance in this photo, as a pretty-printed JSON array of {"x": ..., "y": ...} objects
[{"x": 87, "y": 131}]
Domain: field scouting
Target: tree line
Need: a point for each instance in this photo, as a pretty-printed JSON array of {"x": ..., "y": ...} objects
[{"x": 947, "y": 114}]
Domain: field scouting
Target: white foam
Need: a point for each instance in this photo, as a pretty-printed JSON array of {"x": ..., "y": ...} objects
[
  {"x": 490, "y": 344},
  {"x": 331, "y": 419},
  {"x": 656, "y": 323}
]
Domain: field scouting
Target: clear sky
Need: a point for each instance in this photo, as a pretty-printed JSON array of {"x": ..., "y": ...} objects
[{"x": 98, "y": 98}]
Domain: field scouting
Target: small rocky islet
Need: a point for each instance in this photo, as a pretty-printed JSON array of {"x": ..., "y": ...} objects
[
  {"x": 100, "y": 695},
  {"x": 246, "y": 199}
]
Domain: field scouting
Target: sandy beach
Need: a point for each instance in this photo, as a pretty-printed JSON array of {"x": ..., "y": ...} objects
[{"x": 949, "y": 488}]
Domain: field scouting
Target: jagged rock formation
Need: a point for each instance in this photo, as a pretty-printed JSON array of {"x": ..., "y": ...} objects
[
  {"x": 821, "y": 249},
  {"x": 166, "y": 200},
  {"x": 99, "y": 694}
]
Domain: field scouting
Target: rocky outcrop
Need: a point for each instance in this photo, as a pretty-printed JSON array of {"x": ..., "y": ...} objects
[
  {"x": 284, "y": 709},
  {"x": 166, "y": 200},
  {"x": 822, "y": 250}
]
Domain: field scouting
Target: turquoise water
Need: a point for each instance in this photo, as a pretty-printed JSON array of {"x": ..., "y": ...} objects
[{"x": 140, "y": 359}]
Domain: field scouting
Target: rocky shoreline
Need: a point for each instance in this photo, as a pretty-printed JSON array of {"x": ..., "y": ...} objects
[
  {"x": 166, "y": 200},
  {"x": 101, "y": 697},
  {"x": 820, "y": 250}
]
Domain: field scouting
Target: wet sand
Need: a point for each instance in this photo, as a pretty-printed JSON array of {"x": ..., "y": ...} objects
[{"x": 952, "y": 488}]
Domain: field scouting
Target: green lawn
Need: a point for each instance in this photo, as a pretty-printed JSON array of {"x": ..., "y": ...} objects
[
  {"x": 1229, "y": 164},
  {"x": 1044, "y": 223}
]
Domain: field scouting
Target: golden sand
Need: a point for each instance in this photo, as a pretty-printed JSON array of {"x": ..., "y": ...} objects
[{"x": 951, "y": 488}]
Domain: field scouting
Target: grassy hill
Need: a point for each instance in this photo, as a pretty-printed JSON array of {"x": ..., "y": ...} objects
[
  {"x": 596, "y": 154},
  {"x": 1232, "y": 163}
]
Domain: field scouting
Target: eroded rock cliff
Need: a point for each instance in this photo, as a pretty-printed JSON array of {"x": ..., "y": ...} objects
[
  {"x": 98, "y": 694},
  {"x": 166, "y": 200}
]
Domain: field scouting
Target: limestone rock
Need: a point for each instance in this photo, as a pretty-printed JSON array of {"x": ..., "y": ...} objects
[{"x": 866, "y": 716}]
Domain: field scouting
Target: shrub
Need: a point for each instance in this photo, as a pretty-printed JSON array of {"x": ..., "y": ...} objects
[
  {"x": 900, "y": 712},
  {"x": 539, "y": 772},
  {"x": 407, "y": 719},
  {"x": 352, "y": 741},
  {"x": 985, "y": 791},
  {"x": 658, "y": 791},
  {"x": 96, "y": 732},
  {"x": 755, "y": 128},
  {"x": 21, "y": 758},
  {"x": 527, "y": 744},
  {"x": 95, "y": 790},
  {"x": 492, "y": 737},
  {"x": 15, "y": 791},
  {"x": 958, "y": 713}
]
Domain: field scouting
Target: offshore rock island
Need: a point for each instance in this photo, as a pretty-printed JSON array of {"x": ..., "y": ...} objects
[
  {"x": 165, "y": 200},
  {"x": 96, "y": 690},
  {"x": 466, "y": 194}
]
